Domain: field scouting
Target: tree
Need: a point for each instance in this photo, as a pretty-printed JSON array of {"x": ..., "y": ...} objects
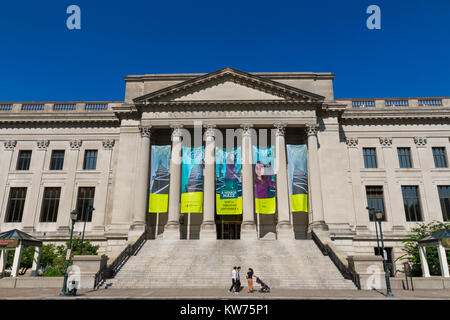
[{"x": 411, "y": 247}]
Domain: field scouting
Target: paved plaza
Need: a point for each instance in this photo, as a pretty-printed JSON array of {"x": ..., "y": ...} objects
[{"x": 165, "y": 294}]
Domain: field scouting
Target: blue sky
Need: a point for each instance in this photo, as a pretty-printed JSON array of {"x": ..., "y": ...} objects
[{"x": 42, "y": 60}]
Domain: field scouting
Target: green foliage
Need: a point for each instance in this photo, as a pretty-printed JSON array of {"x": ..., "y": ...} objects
[
  {"x": 53, "y": 258},
  {"x": 411, "y": 247}
]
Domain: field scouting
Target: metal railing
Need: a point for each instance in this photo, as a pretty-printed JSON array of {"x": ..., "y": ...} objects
[
  {"x": 347, "y": 272},
  {"x": 108, "y": 272}
]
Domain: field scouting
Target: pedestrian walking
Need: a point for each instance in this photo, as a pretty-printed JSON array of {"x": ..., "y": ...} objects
[
  {"x": 238, "y": 279},
  {"x": 250, "y": 280},
  {"x": 233, "y": 280}
]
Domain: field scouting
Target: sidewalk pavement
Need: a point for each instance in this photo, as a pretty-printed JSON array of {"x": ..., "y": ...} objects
[{"x": 197, "y": 293}]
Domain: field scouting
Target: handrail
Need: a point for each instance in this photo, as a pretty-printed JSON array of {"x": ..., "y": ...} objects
[
  {"x": 346, "y": 271},
  {"x": 108, "y": 272}
]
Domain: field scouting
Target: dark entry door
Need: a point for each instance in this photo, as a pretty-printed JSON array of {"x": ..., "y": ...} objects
[{"x": 228, "y": 231}]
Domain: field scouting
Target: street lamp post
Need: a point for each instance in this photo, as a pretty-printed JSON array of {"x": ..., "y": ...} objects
[
  {"x": 379, "y": 217},
  {"x": 84, "y": 227},
  {"x": 73, "y": 216},
  {"x": 372, "y": 213}
]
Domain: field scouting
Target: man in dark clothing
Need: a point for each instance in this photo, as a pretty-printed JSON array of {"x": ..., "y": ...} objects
[{"x": 238, "y": 279}]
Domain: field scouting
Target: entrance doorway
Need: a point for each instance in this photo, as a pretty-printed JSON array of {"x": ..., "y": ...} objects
[
  {"x": 228, "y": 231},
  {"x": 228, "y": 227}
]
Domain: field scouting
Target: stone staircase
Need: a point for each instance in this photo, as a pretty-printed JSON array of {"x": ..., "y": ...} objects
[{"x": 295, "y": 264}]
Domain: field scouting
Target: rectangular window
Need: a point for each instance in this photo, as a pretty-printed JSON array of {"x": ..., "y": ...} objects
[
  {"x": 23, "y": 160},
  {"x": 50, "y": 204},
  {"x": 57, "y": 160},
  {"x": 411, "y": 203},
  {"x": 90, "y": 160},
  {"x": 370, "y": 158},
  {"x": 440, "y": 160},
  {"x": 375, "y": 200},
  {"x": 444, "y": 196},
  {"x": 404, "y": 157},
  {"x": 16, "y": 204},
  {"x": 85, "y": 201}
]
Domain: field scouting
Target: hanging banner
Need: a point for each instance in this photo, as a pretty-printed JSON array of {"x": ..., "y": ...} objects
[
  {"x": 228, "y": 181},
  {"x": 264, "y": 177},
  {"x": 298, "y": 177},
  {"x": 192, "y": 180},
  {"x": 159, "y": 179}
]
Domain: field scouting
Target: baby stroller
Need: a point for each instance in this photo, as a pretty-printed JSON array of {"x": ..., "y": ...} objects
[{"x": 264, "y": 287}]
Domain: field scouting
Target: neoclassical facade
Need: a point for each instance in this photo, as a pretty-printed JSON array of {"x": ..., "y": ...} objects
[{"x": 388, "y": 154}]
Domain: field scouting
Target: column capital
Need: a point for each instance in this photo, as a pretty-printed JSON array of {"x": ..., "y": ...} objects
[
  {"x": 10, "y": 145},
  {"x": 352, "y": 142},
  {"x": 108, "y": 144},
  {"x": 75, "y": 144},
  {"x": 176, "y": 130},
  {"x": 281, "y": 128},
  {"x": 210, "y": 130},
  {"x": 246, "y": 129},
  {"x": 311, "y": 129},
  {"x": 146, "y": 131},
  {"x": 386, "y": 142},
  {"x": 42, "y": 144},
  {"x": 420, "y": 141}
]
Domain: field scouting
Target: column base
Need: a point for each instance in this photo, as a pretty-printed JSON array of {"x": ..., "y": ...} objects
[
  {"x": 208, "y": 231},
  {"x": 248, "y": 231},
  {"x": 318, "y": 227},
  {"x": 171, "y": 231},
  {"x": 136, "y": 230},
  {"x": 285, "y": 231}
]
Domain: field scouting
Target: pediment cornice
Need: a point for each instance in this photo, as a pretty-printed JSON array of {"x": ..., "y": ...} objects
[{"x": 283, "y": 91}]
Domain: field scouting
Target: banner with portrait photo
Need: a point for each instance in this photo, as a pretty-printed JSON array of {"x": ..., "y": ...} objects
[
  {"x": 159, "y": 179},
  {"x": 192, "y": 180},
  {"x": 228, "y": 181},
  {"x": 264, "y": 178},
  {"x": 298, "y": 177}
]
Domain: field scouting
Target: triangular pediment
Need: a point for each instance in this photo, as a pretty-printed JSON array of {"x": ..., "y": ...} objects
[{"x": 228, "y": 85}]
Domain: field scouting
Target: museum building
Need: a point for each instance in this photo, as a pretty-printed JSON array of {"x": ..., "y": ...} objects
[{"x": 385, "y": 154}]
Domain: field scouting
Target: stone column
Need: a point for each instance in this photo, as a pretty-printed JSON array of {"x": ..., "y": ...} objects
[
  {"x": 316, "y": 204},
  {"x": 443, "y": 260},
  {"x": 284, "y": 226},
  {"x": 248, "y": 227},
  {"x": 208, "y": 228},
  {"x": 424, "y": 261},
  {"x": 142, "y": 185},
  {"x": 3, "y": 258},
  {"x": 5, "y": 163},
  {"x": 36, "y": 261},
  {"x": 172, "y": 228},
  {"x": 17, "y": 260}
]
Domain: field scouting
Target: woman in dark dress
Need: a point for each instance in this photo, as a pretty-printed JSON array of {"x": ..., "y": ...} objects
[{"x": 250, "y": 279}]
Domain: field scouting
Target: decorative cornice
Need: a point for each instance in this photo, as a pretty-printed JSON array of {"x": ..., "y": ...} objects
[
  {"x": 420, "y": 141},
  {"x": 352, "y": 142},
  {"x": 108, "y": 144},
  {"x": 43, "y": 144},
  {"x": 237, "y": 76},
  {"x": 146, "y": 131},
  {"x": 311, "y": 129},
  {"x": 386, "y": 141},
  {"x": 75, "y": 144},
  {"x": 10, "y": 145}
]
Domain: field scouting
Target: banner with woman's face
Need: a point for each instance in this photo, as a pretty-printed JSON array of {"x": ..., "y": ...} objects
[
  {"x": 264, "y": 178},
  {"x": 228, "y": 181},
  {"x": 159, "y": 179},
  {"x": 192, "y": 180}
]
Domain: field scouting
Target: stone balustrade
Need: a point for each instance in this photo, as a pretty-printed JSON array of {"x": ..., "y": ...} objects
[
  {"x": 71, "y": 106},
  {"x": 395, "y": 103}
]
